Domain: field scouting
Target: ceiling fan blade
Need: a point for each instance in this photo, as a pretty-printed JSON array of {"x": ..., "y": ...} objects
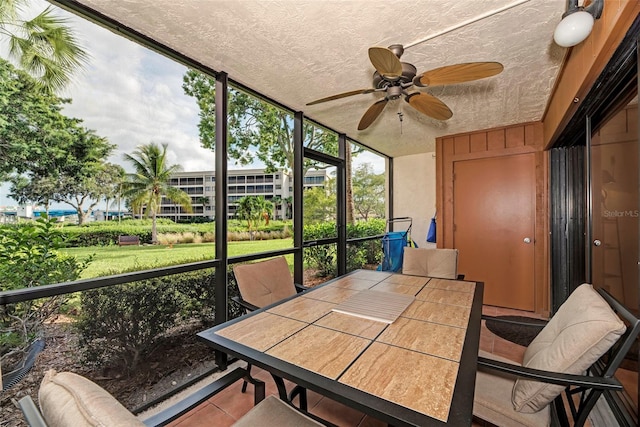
[
  {"x": 459, "y": 73},
  {"x": 385, "y": 61},
  {"x": 429, "y": 105},
  {"x": 371, "y": 114},
  {"x": 341, "y": 95}
]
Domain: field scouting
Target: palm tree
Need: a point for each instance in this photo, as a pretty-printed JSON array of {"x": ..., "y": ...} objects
[
  {"x": 267, "y": 209},
  {"x": 150, "y": 182},
  {"x": 253, "y": 209},
  {"x": 277, "y": 206},
  {"x": 204, "y": 201},
  {"x": 288, "y": 208},
  {"x": 112, "y": 186},
  {"x": 44, "y": 46}
]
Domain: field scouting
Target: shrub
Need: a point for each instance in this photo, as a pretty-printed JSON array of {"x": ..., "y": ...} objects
[
  {"x": 320, "y": 257},
  {"x": 167, "y": 238},
  {"x": 209, "y": 237},
  {"x": 105, "y": 233},
  {"x": 29, "y": 257},
  {"x": 120, "y": 325},
  {"x": 323, "y": 257}
]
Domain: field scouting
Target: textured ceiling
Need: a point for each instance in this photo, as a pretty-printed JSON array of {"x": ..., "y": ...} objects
[{"x": 298, "y": 51}]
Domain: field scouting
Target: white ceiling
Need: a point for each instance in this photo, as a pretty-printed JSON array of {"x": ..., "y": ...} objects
[{"x": 297, "y": 51}]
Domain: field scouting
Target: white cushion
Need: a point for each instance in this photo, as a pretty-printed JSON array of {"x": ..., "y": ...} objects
[
  {"x": 492, "y": 400},
  {"x": 429, "y": 262},
  {"x": 414, "y": 261},
  {"x": 582, "y": 330},
  {"x": 274, "y": 412},
  {"x": 443, "y": 263},
  {"x": 67, "y": 399}
]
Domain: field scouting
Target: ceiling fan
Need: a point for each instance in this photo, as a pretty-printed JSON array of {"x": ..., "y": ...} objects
[{"x": 395, "y": 78}]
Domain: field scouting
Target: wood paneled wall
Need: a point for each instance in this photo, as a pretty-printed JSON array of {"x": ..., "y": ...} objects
[
  {"x": 497, "y": 142},
  {"x": 585, "y": 62}
]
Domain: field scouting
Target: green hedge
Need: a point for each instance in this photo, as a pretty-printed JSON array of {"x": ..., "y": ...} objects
[
  {"x": 105, "y": 233},
  {"x": 323, "y": 257},
  {"x": 120, "y": 325}
]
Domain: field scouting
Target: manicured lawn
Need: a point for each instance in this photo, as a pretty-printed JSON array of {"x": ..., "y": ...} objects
[{"x": 114, "y": 259}]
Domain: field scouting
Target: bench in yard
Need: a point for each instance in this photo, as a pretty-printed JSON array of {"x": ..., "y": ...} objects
[{"x": 128, "y": 240}]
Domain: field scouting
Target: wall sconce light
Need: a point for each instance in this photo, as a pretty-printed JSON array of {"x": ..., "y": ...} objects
[{"x": 577, "y": 22}]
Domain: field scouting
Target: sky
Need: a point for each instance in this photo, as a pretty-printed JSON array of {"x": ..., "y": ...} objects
[{"x": 133, "y": 96}]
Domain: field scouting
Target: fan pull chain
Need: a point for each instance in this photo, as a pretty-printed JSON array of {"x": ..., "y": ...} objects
[{"x": 400, "y": 116}]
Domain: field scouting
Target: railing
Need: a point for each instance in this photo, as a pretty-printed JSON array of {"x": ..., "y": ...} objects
[{"x": 118, "y": 286}]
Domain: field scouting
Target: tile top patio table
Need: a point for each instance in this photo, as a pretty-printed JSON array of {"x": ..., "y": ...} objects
[{"x": 418, "y": 370}]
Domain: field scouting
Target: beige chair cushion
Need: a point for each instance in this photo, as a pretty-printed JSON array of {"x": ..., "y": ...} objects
[
  {"x": 443, "y": 263},
  {"x": 582, "y": 330},
  {"x": 429, "y": 262},
  {"x": 265, "y": 282},
  {"x": 414, "y": 261},
  {"x": 492, "y": 400},
  {"x": 67, "y": 399},
  {"x": 274, "y": 412}
]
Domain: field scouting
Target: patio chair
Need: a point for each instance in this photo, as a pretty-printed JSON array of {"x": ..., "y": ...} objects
[
  {"x": 68, "y": 399},
  {"x": 578, "y": 351},
  {"x": 263, "y": 283},
  {"x": 430, "y": 262}
]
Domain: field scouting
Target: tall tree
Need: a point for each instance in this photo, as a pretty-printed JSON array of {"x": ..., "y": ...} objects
[
  {"x": 38, "y": 191},
  {"x": 320, "y": 203},
  {"x": 84, "y": 176},
  {"x": 150, "y": 182},
  {"x": 33, "y": 131},
  {"x": 277, "y": 206},
  {"x": 253, "y": 209},
  {"x": 260, "y": 131},
  {"x": 113, "y": 185},
  {"x": 368, "y": 191},
  {"x": 46, "y": 155},
  {"x": 43, "y": 46}
]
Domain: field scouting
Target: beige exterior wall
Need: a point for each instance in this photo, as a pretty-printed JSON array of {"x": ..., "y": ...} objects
[{"x": 414, "y": 192}]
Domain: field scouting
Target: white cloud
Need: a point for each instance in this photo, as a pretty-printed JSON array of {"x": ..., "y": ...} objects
[{"x": 132, "y": 96}]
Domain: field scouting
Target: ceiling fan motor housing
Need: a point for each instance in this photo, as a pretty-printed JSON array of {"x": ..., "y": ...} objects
[
  {"x": 408, "y": 73},
  {"x": 394, "y": 92},
  {"x": 395, "y": 78}
]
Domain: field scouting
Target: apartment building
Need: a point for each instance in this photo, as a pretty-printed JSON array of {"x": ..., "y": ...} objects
[{"x": 200, "y": 186}]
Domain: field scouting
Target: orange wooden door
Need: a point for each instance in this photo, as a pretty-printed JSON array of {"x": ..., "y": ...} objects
[{"x": 494, "y": 224}]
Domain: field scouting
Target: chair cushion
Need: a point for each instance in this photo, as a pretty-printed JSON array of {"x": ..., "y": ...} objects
[
  {"x": 67, "y": 399},
  {"x": 582, "y": 330},
  {"x": 492, "y": 400},
  {"x": 265, "y": 282},
  {"x": 429, "y": 262},
  {"x": 442, "y": 263},
  {"x": 274, "y": 412},
  {"x": 415, "y": 261}
]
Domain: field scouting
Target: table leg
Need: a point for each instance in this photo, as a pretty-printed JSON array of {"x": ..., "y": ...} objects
[
  {"x": 299, "y": 391},
  {"x": 259, "y": 388}
]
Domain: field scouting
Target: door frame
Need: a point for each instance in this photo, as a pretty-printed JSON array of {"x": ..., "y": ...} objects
[{"x": 498, "y": 142}]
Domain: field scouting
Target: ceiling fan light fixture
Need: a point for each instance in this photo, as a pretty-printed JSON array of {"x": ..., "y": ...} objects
[{"x": 577, "y": 23}]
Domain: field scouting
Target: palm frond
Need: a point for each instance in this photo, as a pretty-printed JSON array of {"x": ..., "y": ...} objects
[{"x": 44, "y": 46}]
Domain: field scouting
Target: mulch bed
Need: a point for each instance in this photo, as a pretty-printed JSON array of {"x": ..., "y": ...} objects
[{"x": 178, "y": 358}]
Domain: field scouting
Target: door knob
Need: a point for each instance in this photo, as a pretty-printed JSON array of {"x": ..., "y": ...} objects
[
  {"x": 527, "y": 240},
  {"x": 597, "y": 242}
]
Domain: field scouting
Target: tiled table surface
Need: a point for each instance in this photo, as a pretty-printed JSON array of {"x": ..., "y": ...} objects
[{"x": 412, "y": 362}]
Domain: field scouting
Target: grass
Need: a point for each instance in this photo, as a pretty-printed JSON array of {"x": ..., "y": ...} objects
[{"x": 114, "y": 259}]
